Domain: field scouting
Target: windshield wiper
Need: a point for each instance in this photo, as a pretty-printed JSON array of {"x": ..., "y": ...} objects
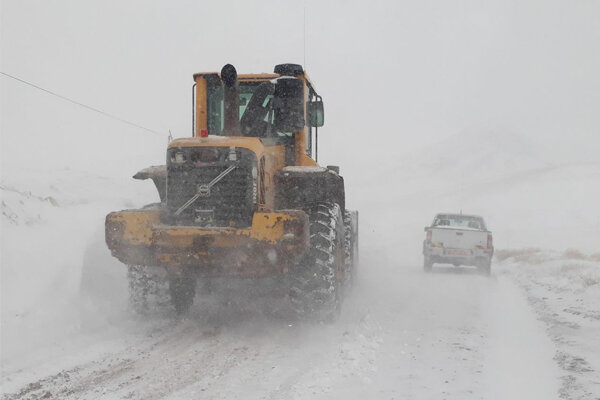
[{"x": 204, "y": 190}]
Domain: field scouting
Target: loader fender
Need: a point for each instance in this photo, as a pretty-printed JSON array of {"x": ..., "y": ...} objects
[
  {"x": 158, "y": 174},
  {"x": 299, "y": 187}
]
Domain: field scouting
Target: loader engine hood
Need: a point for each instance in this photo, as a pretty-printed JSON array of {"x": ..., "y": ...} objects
[{"x": 212, "y": 182}]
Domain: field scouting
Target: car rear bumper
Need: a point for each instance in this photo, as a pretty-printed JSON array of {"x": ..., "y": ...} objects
[{"x": 457, "y": 256}]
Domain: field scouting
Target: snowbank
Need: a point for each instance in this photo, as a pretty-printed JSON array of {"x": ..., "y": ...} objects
[
  {"x": 51, "y": 222},
  {"x": 564, "y": 289}
]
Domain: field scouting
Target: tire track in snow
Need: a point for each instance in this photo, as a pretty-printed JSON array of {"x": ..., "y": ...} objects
[
  {"x": 520, "y": 356},
  {"x": 403, "y": 334},
  {"x": 245, "y": 358},
  {"x": 564, "y": 292}
]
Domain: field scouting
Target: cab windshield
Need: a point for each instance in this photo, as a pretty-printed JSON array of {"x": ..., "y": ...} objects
[{"x": 216, "y": 111}]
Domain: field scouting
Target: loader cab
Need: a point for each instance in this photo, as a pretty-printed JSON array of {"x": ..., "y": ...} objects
[{"x": 282, "y": 108}]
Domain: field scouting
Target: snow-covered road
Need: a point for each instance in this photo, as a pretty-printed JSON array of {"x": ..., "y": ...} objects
[
  {"x": 530, "y": 331},
  {"x": 404, "y": 334}
]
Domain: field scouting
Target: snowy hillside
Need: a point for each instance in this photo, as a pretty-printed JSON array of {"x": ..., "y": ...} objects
[
  {"x": 49, "y": 219},
  {"x": 564, "y": 289},
  {"x": 526, "y": 199}
]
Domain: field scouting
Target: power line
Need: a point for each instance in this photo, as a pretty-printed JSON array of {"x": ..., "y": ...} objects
[{"x": 82, "y": 105}]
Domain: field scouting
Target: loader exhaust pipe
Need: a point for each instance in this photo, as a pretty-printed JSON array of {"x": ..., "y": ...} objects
[{"x": 231, "y": 99}]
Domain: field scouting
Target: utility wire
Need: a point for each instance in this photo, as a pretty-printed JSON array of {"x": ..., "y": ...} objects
[{"x": 81, "y": 104}]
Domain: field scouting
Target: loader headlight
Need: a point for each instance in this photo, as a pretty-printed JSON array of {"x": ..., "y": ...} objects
[
  {"x": 254, "y": 185},
  {"x": 177, "y": 157},
  {"x": 232, "y": 154}
]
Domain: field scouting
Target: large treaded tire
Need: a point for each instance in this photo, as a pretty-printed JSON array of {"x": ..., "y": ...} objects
[
  {"x": 153, "y": 291},
  {"x": 183, "y": 290},
  {"x": 350, "y": 247},
  {"x": 316, "y": 281},
  {"x": 148, "y": 289}
]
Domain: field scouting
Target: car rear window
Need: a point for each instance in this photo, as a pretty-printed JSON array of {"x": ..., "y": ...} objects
[{"x": 459, "y": 221}]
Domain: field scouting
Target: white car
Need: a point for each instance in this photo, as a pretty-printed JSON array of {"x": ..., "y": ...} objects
[{"x": 458, "y": 239}]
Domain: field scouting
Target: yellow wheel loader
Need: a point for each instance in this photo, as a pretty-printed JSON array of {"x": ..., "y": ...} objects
[{"x": 243, "y": 198}]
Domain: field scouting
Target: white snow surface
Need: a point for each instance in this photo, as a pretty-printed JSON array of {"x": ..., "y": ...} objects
[
  {"x": 527, "y": 332},
  {"x": 309, "y": 169}
]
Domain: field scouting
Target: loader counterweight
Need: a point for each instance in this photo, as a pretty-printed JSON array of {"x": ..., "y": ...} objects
[{"x": 271, "y": 245}]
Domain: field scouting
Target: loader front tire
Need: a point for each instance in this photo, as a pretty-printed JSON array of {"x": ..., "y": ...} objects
[
  {"x": 316, "y": 281},
  {"x": 350, "y": 247}
]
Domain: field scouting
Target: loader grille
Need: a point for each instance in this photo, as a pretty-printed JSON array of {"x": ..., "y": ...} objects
[{"x": 230, "y": 202}]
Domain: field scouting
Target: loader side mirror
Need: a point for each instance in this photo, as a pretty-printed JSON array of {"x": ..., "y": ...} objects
[
  {"x": 426, "y": 229},
  {"x": 288, "y": 104},
  {"x": 315, "y": 113}
]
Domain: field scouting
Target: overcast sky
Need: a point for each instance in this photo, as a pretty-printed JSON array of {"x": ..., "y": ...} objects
[{"x": 395, "y": 75}]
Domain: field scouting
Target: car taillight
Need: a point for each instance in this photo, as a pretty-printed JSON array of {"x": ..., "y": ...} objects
[
  {"x": 428, "y": 237},
  {"x": 490, "y": 242}
]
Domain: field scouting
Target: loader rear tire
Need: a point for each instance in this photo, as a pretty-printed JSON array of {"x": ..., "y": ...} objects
[
  {"x": 148, "y": 289},
  {"x": 315, "y": 283},
  {"x": 183, "y": 290}
]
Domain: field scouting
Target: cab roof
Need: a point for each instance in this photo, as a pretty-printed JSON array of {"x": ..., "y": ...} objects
[
  {"x": 257, "y": 77},
  {"x": 243, "y": 77}
]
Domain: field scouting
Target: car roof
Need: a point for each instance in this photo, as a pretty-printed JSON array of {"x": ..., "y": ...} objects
[{"x": 459, "y": 215}]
